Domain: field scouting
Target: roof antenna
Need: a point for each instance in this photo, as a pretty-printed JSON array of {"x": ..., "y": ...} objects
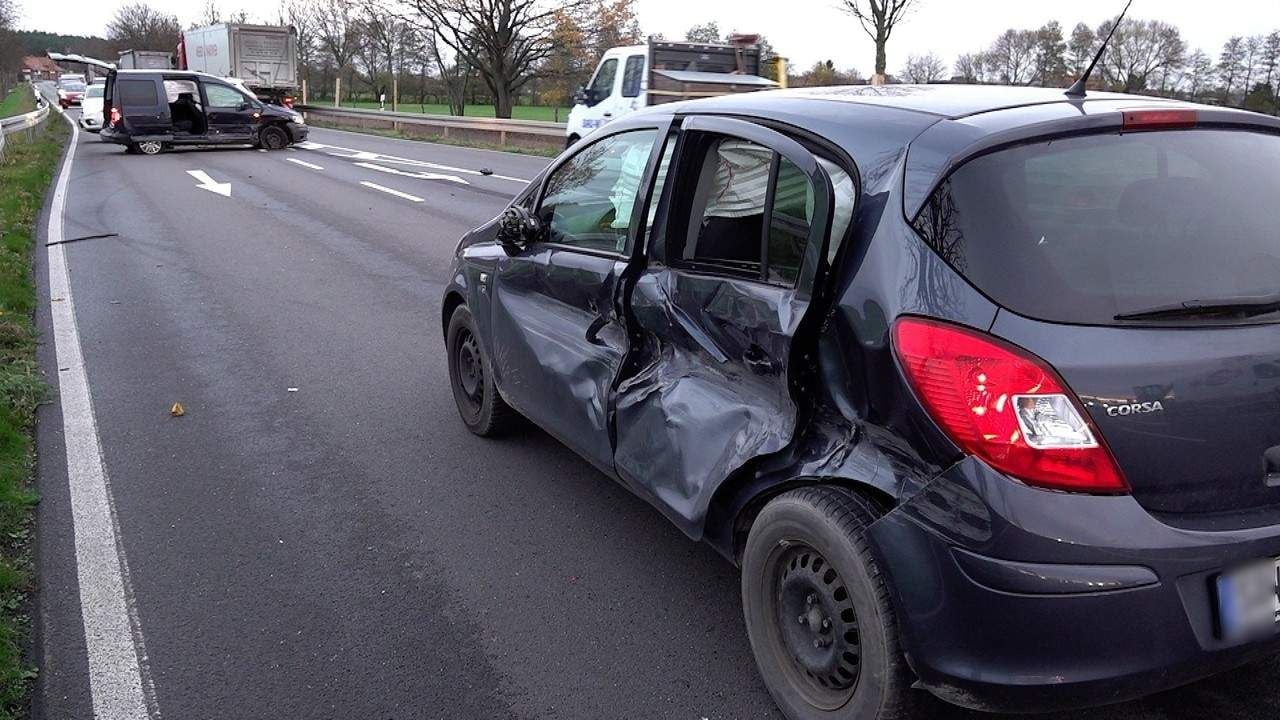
[{"x": 1077, "y": 89}]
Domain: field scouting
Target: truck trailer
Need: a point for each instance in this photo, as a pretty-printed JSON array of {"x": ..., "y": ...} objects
[
  {"x": 263, "y": 58},
  {"x": 145, "y": 60}
]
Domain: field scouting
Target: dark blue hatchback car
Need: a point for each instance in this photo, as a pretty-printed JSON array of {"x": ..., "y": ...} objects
[{"x": 980, "y": 387}]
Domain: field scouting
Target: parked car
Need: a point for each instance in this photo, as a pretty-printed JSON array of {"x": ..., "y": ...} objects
[
  {"x": 977, "y": 386},
  {"x": 150, "y": 110},
  {"x": 91, "y": 107},
  {"x": 70, "y": 90}
]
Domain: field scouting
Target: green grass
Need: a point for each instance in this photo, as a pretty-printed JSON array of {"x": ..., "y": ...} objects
[
  {"x": 457, "y": 142},
  {"x": 25, "y": 174},
  {"x": 520, "y": 112},
  {"x": 18, "y": 101}
]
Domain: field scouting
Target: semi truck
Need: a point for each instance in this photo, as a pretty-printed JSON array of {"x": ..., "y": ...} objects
[
  {"x": 262, "y": 58},
  {"x": 629, "y": 78},
  {"x": 145, "y": 60}
]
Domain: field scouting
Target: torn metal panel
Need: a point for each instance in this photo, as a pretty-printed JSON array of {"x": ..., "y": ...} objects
[{"x": 712, "y": 391}]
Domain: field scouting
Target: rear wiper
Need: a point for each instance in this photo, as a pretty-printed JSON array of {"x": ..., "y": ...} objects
[{"x": 1241, "y": 305}]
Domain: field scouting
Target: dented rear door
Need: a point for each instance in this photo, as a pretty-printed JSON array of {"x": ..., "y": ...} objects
[{"x": 736, "y": 252}]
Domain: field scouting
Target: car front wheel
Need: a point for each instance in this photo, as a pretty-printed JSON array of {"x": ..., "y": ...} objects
[
  {"x": 817, "y": 610},
  {"x": 273, "y": 138},
  {"x": 483, "y": 411}
]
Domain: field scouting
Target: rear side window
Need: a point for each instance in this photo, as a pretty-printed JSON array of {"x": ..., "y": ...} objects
[
  {"x": 631, "y": 76},
  {"x": 1082, "y": 229},
  {"x": 136, "y": 93}
]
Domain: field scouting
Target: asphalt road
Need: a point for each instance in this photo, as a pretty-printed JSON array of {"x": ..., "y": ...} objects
[{"x": 348, "y": 549}]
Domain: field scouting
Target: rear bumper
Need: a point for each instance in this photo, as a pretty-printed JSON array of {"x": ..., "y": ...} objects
[{"x": 1017, "y": 599}]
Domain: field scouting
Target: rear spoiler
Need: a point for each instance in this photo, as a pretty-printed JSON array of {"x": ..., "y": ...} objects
[{"x": 946, "y": 145}]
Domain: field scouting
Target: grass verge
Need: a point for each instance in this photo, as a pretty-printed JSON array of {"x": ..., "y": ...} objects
[
  {"x": 25, "y": 174},
  {"x": 384, "y": 132},
  {"x": 519, "y": 112},
  {"x": 18, "y": 101}
]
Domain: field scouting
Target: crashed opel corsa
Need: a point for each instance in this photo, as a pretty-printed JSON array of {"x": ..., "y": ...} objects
[{"x": 979, "y": 387}]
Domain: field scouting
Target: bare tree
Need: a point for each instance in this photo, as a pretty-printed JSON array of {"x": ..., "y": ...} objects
[
  {"x": 878, "y": 19},
  {"x": 1197, "y": 74},
  {"x": 1080, "y": 49},
  {"x": 1140, "y": 51},
  {"x": 1231, "y": 65},
  {"x": 1050, "y": 55},
  {"x": 972, "y": 67},
  {"x": 708, "y": 32},
  {"x": 338, "y": 35},
  {"x": 142, "y": 27},
  {"x": 505, "y": 41},
  {"x": 1013, "y": 56},
  {"x": 301, "y": 16},
  {"x": 922, "y": 69},
  {"x": 1252, "y": 54},
  {"x": 1271, "y": 61}
]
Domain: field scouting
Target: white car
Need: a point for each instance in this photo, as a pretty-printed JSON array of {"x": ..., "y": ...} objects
[{"x": 91, "y": 107}]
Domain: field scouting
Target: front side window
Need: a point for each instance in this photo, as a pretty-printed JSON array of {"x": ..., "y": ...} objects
[
  {"x": 224, "y": 96},
  {"x": 632, "y": 73},
  {"x": 588, "y": 201},
  {"x": 602, "y": 84}
]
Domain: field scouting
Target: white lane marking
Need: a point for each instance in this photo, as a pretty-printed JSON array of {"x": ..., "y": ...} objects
[
  {"x": 112, "y": 631},
  {"x": 366, "y": 155},
  {"x": 397, "y": 193},
  {"x": 304, "y": 163},
  {"x": 207, "y": 183},
  {"x": 419, "y": 176}
]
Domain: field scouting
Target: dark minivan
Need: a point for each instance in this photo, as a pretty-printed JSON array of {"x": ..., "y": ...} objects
[
  {"x": 149, "y": 110},
  {"x": 979, "y": 386}
]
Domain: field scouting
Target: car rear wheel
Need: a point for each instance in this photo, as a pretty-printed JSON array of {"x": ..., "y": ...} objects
[
  {"x": 817, "y": 610},
  {"x": 150, "y": 147},
  {"x": 273, "y": 138},
  {"x": 483, "y": 411}
]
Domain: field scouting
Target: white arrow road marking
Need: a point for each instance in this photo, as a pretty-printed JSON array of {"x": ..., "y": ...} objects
[
  {"x": 366, "y": 155},
  {"x": 389, "y": 191},
  {"x": 207, "y": 183},
  {"x": 304, "y": 163},
  {"x": 420, "y": 176}
]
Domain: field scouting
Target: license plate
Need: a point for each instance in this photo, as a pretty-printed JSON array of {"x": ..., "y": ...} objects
[{"x": 1249, "y": 599}]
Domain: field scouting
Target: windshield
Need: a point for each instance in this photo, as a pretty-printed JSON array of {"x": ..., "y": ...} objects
[
  {"x": 1084, "y": 229},
  {"x": 73, "y": 86}
]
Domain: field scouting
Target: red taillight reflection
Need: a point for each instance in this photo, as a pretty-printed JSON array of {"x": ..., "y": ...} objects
[
  {"x": 288, "y": 102},
  {"x": 985, "y": 394},
  {"x": 115, "y": 115},
  {"x": 1159, "y": 119}
]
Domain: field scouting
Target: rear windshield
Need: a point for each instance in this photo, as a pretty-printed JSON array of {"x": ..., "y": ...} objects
[
  {"x": 73, "y": 86},
  {"x": 1083, "y": 229},
  {"x": 95, "y": 91}
]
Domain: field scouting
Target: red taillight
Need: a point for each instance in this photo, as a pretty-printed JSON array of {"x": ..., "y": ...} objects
[
  {"x": 1159, "y": 119},
  {"x": 115, "y": 116},
  {"x": 288, "y": 102},
  {"x": 1006, "y": 406}
]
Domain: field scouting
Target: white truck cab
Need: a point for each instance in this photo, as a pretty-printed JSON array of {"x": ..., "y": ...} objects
[
  {"x": 618, "y": 87},
  {"x": 635, "y": 76}
]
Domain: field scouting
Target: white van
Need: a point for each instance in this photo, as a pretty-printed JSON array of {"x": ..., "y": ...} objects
[{"x": 631, "y": 77}]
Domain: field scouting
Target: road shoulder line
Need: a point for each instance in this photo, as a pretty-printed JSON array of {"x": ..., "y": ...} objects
[{"x": 118, "y": 678}]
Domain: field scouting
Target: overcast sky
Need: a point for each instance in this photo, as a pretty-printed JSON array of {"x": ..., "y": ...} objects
[{"x": 810, "y": 30}]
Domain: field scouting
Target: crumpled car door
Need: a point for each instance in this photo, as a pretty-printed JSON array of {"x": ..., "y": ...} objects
[{"x": 709, "y": 381}]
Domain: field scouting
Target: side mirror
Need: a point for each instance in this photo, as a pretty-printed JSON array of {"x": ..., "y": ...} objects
[
  {"x": 517, "y": 227},
  {"x": 582, "y": 96}
]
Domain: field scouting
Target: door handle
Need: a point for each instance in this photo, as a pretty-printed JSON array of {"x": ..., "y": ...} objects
[{"x": 608, "y": 114}]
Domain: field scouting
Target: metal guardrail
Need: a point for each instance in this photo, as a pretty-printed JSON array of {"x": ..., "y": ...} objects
[
  {"x": 504, "y": 133},
  {"x": 26, "y": 122}
]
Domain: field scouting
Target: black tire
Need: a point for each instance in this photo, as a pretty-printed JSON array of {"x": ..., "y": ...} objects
[
  {"x": 150, "y": 147},
  {"x": 273, "y": 137},
  {"x": 480, "y": 406},
  {"x": 132, "y": 149},
  {"x": 818, "y": 613}
]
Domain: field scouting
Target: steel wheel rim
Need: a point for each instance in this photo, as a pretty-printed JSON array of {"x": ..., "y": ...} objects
[
  {"x": 470, "y": 369},
  {"x": 274, "y": 140},
  {"x": 817, "y": 633}
]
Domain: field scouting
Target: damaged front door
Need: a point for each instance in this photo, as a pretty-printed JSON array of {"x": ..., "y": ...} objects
[
  {"x": 733, "y": 263},
  {"x": 558, "y": 338}
]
